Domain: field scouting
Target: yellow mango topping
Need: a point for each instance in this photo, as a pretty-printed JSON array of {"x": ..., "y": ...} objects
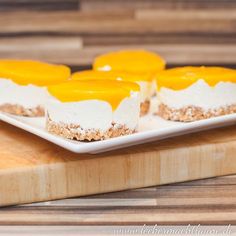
[
  {"x": 111, "y": 91},
  {"x": 110, "y": 75},
  {"x": 132, "y": 61},
  {"x": 183, "y": 77},
  {"x": 24, "y": 72}
]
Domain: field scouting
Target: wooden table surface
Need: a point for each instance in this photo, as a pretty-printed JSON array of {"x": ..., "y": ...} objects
[{"x": 210, "y": 201}]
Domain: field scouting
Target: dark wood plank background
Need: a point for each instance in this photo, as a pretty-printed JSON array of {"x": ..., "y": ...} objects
[{"x": 74, "y": 31}]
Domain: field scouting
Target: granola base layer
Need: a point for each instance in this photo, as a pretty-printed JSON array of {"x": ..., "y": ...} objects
[
  {"x": 19, "y": 110},
  {"x": 75, "y": 132},
  {"x": 193, "y": 113},
  {"x": 144, "y": 107}
]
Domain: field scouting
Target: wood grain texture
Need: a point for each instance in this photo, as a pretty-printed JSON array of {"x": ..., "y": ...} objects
[
  {"x": 70, "y": 50},
  {"x": 38, "y": 5},
  {"x": 93, "y": 5},
  {"x": 32, "y": 169},
  {"x": 183, "y": 31},
  {"x": 58, "y": 50},
  {"x": 210, "y": 201},
  {"x": 73, "y": 22}
]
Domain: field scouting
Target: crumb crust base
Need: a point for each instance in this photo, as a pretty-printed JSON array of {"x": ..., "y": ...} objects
[
  {"x": 193, "y": 113},
  {"x": 19, "y": 110},
  {"x": 75, "y": 132},
  {"x": 144, "y": 107}
]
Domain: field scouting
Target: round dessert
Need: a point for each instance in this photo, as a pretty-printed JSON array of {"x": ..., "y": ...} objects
[
  {"x": 93, "y": 109},
  {"x": 195, "y": 93},
  {"x": 142, "y": 65},
  {"x": 23, "y": 85},
  {"x": 143, "y": 80}
]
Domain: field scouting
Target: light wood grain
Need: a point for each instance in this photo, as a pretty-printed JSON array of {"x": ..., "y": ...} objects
[
  {"x": 32, "y": 169},
  {"x": 70, "y": 50},
  {"x": 182, "y": 36},
  {"x": 71, "y": 22},
  {"x": 183, "y": 14},
  {"x": 58, "y": 50},
  {"x": 93, "y": 5},
  {"x": 210, "y": 201}
]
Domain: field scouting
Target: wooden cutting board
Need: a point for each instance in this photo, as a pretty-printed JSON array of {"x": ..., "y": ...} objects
[{"x": 32, "y": 169}]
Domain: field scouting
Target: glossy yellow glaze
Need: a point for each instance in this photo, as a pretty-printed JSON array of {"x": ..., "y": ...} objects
[
  {"x": 111, "y": 75},
  {"x": 183, "y": 77},
  {"x": 132, "y": 61},
  {"x": 24, "y": 72},
  {"x": 111, "y": 91}
]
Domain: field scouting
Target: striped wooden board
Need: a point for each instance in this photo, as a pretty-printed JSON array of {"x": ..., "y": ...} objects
[
  {"x": 210, "y": 201},
  {"x": 33, "y": 170}
]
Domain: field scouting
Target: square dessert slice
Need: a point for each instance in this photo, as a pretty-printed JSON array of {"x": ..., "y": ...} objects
[
  {"x": 93, "y": 109},
  {"x": 140, "y": 64},
  {"x": 23, "y": 85},
  {"x": 143, "y": 80},
  {"x": 195, "y": 93}
]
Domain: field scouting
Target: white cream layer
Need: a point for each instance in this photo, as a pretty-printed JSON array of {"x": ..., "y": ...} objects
[
  {"x": 29, "y": 96},
  {"x": 146, "y": 90},
  {"x": 200, "y": 94},
  {"x": 96, "y": 114}
]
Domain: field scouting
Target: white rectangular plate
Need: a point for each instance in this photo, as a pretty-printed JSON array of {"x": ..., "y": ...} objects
[{"x": 151, "y": 128}]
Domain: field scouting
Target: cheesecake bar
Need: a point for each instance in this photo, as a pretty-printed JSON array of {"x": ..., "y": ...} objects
[
  {"x": 140, "y": 64},
  {"x": 23, "y": 85},
  {"x": 93, "y": 109},
  {"x": 195, "y": 93},
  {"x": 143, "y": 80}
]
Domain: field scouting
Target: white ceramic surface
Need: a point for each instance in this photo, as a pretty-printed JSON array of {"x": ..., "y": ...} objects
[{"x": 151, "y": 128}]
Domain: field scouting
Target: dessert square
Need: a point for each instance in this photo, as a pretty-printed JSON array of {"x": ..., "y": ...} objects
[
  {"x": 195, "y": 93},
  {"x": 23, "y": 85},
  {"x": 142, "y": 65},
  {"x": 89, "y": 110},
  {"x": 143, "y": 80}
]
